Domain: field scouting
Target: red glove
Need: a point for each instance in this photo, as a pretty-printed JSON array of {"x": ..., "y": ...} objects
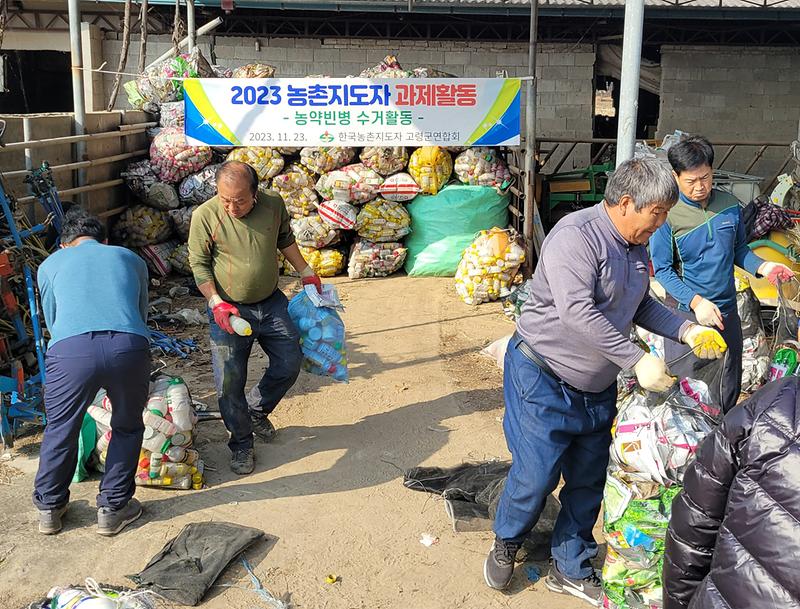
[
  {"x": 776, "y": 272},
  {"x": 313, "y": 280},
  {"x": 222, "y": 315}
]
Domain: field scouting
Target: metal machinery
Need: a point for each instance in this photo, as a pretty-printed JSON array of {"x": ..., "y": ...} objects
[{"x": 21, "y": 338}]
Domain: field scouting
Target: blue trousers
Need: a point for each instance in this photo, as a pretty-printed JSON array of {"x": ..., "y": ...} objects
[
  {"x": 280, "y": 340},
  {"x": 553, "y": 430},
  {"x": 727, "y": 391},
  {"x": 76, "y": 369}
]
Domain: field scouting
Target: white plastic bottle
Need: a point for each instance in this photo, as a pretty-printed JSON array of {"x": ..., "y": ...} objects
[{"x": 241, "y": 326}]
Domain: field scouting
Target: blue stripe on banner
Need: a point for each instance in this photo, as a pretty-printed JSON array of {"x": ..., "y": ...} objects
[
  {"x": 507, "y": 128},
  {"x": 197, "y": 127}
]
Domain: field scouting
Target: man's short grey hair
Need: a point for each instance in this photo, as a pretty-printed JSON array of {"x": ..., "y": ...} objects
[{"x": 647, "y": 181}]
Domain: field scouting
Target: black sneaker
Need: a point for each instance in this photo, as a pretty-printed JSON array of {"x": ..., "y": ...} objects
[
  {"x": 110, "y": 521},
  {"x": 263, "y": 428},
  {"x": 243, "y": 461},
  {"x": 499, "y": 565},
  {"x": 50, "y": 520},
  {"x": 589, "y": 589}
]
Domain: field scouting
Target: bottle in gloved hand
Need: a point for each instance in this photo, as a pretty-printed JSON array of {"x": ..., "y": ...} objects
[{"x": 241, "y": 326}]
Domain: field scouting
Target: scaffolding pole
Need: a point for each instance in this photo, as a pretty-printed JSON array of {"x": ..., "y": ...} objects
[
  {"x": 532, "y": 221},
  {"x": 191, "y": 28},
  {"x": 79, "y": 107}
]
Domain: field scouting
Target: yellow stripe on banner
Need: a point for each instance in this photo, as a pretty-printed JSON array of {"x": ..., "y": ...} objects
[
  {"x": 194, "y": 90},
  {"x": 505, "y": 97}
]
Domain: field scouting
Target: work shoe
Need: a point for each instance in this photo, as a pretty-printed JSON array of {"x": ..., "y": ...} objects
[
  {"x": 243, "y": 461},
  {"x": 589, "y": 589},
  {"x": 499, "y": 565},
  {"x": 263, "y": 428},
  {"x": 111, "y": 521},
  {"x": 50, "y": 520}
]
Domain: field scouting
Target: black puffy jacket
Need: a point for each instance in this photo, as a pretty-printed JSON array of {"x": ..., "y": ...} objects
[{"x": 734, "y": 537}]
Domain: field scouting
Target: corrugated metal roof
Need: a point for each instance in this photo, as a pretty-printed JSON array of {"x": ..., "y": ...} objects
[{"x": 477, "y": 5}]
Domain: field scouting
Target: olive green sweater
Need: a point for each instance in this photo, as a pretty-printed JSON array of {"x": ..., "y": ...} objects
[{"x": 239, "y": 254}]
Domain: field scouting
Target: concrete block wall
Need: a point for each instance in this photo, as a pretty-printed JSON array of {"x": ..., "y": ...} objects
[
  {"x": 733, "y": 94},
  {"x": 565, "y": 95}
]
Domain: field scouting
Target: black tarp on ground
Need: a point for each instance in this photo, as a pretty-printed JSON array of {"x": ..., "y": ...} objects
[{"x": 188, "y": 565}]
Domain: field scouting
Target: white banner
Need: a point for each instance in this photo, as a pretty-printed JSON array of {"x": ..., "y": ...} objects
[{"x": 298, "y": 112}]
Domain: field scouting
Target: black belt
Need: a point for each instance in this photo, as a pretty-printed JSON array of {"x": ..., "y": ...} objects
[{"x": 523, "y": 348}]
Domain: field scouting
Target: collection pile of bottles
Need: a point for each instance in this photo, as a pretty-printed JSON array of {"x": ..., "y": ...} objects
[
  {"x": 321, "y": 338},
  {"x": 167, "y": 459}
]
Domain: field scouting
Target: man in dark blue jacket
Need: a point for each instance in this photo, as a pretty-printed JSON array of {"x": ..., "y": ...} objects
[{"x": 693, "y": 256}]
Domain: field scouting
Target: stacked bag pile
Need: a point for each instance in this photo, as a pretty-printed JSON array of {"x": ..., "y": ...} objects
[
  {"x": 655, "y": 437},
  {"x": 167, "y": 458},
  {"x": 351, "y": 209}
]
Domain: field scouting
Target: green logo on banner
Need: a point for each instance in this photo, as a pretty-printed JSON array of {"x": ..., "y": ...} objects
[{"x": 326, "y": 137}]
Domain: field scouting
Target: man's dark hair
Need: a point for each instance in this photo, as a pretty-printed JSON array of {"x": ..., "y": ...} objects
[
  {"x": 690, "y": 153},
  {"x": 234, "y": 169},
  {"x": 80, "y": 223}
]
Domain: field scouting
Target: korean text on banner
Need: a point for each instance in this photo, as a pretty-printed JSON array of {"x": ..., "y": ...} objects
[{"x": 352, "y": 112}]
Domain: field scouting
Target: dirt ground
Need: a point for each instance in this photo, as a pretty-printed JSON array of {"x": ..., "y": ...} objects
[{"x": 328, "y": 492}]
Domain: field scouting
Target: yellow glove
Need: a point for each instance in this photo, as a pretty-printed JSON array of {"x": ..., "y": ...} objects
[{"x": 706, "y": 342}]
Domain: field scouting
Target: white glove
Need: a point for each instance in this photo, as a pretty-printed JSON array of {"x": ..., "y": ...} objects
[
  {"x": 653, "y": 374},
  {"x": 706, "y": 342},
  {"x": 708, "y": 314},
  {"x": 775, "y": 272}
]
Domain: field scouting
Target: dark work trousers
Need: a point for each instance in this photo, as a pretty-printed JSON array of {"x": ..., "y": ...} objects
[
  {"x": 278, "y": 337},
  {"x": 554, "y": 430},
  {"x": 76, "y": 369},
  {"x": 731, "y": 369}
]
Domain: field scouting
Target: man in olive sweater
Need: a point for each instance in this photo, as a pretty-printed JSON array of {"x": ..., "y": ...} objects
[{"x": 233, "y": 243}]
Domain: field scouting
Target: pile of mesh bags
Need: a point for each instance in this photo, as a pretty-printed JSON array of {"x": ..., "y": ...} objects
[
  {"x": 167, "y": 459},
  {"x": 172, "y": 160},
  {"x": 489, "y": 266},
  {"x": 481, "y": 167},
  {"x": 655, "y": 438}
]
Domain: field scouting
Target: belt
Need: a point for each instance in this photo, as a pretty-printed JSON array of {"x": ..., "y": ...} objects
[{"x": 534, "y": 357}]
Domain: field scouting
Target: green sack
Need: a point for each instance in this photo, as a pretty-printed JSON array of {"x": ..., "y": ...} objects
[
  {"x": 443, "y": 226},
  {"x": 86, "y": 443}
]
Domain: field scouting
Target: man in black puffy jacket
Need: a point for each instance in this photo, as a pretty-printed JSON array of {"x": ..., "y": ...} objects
[{"x": 734, "y": 537}]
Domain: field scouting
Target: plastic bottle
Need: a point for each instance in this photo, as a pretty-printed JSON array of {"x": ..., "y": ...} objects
[
  {"x": 329, "y": 352},
  {"x": 101, "y": 415},
  {"x": 180, "y": 405},
  {"x": 176, "y": 470},
  {"x": 157, "y": 404},
  {"x": 103, "y": 441},
  {"x": 181, "y": 438},
  {"x": 155, "y": 465},
  {"x": 241, "y": 326},
  {"x": 158, "y": 423},
  {"x": 154, "y": 441},
  {"x": 179, "y": 454},
  {"x": 141, "y": 481},
  {"x": 636, "y": 538}
]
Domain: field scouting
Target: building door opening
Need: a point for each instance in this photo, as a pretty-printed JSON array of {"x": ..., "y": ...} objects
[{"x": 35, "y": 81}]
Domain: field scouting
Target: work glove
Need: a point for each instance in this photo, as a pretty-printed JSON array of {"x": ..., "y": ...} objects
[
  {"x": 653, "y": 374},
  {"x": 222, "y": 313},
  {"x": 708, "y": 314},
  {"x": 706, "y": 343},
  {"x": 309, "y": 277},
  {"x": 776, "y": 272}
]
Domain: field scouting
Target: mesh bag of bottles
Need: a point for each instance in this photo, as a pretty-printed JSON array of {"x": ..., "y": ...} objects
[
  {"x": 140, "y": 225},
  {"x": 254, "y": 70},
  {"x": 353, "y": 183},
  {"x": 162, "y": 82},
  {"x": 311, "y": 231},
  {"x": 512, "y": 304},
  {"x": 158, "y": 257},
  {"x": 327, "y": 262},
  {"x": 386, "y": 160},
  {"x": 146, "y": 185},
  {"x": 755, "y": 347},
  {"x": 287, "y": 151},
  {"x": 370, "y": 259},
  {"x": 172, "y": 159},
  {"x": 179, "y": 259},
  {"x": 267, "y": 162},
  {"x": 323, "y": 159},
  {"x": 400, "y": 187},
  {"x": 166, "y": 459},
  {"x": 321, "y": 335},
  {"x": 199, "y": 187},
  {"x": 382, "y": 220},
  {"x": 389, "y": 67},
  {"x": 296, "y": 188},
  {"x": 171, "y": 114},
  {"x": 481, "y": 167},
  {"x": 489, "y": 265},
  {"x": 431, "y": 167},
  {"x": 428, "y": 72},
  {"x": 181, "y": 220},
  {"x": 338, "y": 214}
]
